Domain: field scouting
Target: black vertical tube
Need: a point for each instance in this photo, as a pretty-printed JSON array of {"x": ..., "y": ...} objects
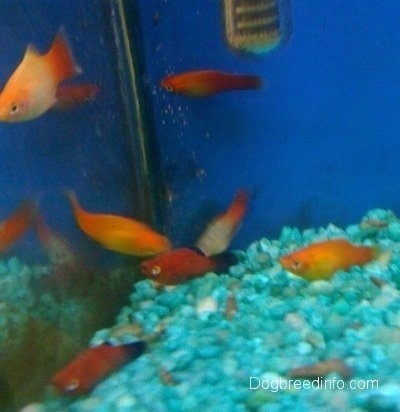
[{"x": 147, "y": 191}]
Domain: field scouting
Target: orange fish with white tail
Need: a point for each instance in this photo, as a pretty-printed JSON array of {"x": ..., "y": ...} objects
[
  {"x": 16, "y": 225},
  {"x": 321, "y": 260},
  {"x": 118, "y": 233},
  {"x": 203, "y": 83},
  {"x": 31, "y": 90},
  {"x": 220, "y": 231}
]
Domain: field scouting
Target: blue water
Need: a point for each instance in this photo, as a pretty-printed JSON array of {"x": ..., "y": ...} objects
[
  {"x": 86, "y": 148},
  {"x": 318, "y": 144}
]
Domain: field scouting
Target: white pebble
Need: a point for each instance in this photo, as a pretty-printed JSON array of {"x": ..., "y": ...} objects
[
  {"x": 303, "y": 348},
  {"x": 33, "y": 407},
  {"x": 320, "y": 287},
  {"x": 206, "y": 306},
  {"x": 296, "y": 321},
  {"x": 126, "y": 401}
]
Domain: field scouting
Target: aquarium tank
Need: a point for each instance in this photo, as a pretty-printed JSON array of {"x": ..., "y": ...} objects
[{"x": 199, "y": 206}]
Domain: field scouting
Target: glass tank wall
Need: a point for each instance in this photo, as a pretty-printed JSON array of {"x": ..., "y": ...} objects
[
  {"x": 193, "y": 122},
  {"x": 57, "y": 285}
]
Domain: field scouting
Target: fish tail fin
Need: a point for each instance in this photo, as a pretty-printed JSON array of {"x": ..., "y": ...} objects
[
  {"x": 41, "y": 228},
  {"x": 238, "y": 207},
  {"x": 254, "y": 82},
  {"x": 241, "y": 82},
  {"x": 224, "y": 261},
  {"x": 26, "y": 211},
  {"x": 382, "y": 255},
  {"x": 73, "y": 200},
  {"x": 60, "y": 58},
  {"x": 17, "y": 224},
  {"x": 71, "y": 95},
  {"x": 135, "y": 349},
  {"x": 220, "y": 231}
]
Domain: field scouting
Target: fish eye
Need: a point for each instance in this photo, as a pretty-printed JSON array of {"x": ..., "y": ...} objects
[
  {"x": 14, "y": 109},
  {"x": 72, "y": 385},
  {"x": 169, "y": 88},
  {"x": 156, "y": 270},
  {"x": 296, "y": 264}
]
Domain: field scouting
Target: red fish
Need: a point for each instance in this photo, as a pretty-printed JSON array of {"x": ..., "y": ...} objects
[
  {"x": 69, "y": 96},
  {"x": 204, "y": 83},
  {"x": 16, "y": 225},
  {"x": 31, "y": 90},
  {"x": 119, "y": 233},
  {"x": 220, "y": 231},
  {"x": 321, "y": 260},
  {"x": 177, "y": 265},
  {"x": 93, "y": 365}
]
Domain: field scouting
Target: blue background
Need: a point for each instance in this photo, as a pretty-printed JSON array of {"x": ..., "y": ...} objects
[{"x": 318, "y": 144}]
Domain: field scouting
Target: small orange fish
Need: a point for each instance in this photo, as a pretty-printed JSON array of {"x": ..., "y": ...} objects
[
  {"x": 177, "y": 265},
  {"x": 321, "y": 260},
  {"x": 119, "y": 233},
  {"x": 220, "y": 231},
  {"x": 204, "y": 83},
  {"x": 93, "y": 365},
  {"x": 31, "y": 90},
  {"x": 69, "y": 96},
  {"x": 16, "y": 225}
]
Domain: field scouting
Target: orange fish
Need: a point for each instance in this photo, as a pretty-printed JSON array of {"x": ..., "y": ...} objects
[
  {"x": 204, "y": 83},
  {"x": 16, "y": 225},
  {"x": 177, "y": 265},
  {"x": 93, "y": 365},
  {"x": 119, "y": 233},
  {"x": 321, "y": 260},
  {"x": 31, "y": 90},
  {"x": 220, "y": 231},
  {"x": 70, "y": 95}
]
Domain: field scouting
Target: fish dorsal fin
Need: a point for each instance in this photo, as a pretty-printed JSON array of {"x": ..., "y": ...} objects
[
  {"x": 60, "y": 58},
  {"x": 31, "y": 51},
  {"x": 31, "y": 56}
]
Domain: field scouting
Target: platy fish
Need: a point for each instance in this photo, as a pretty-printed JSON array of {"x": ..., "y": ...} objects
[
  {"x": 118, "y": 233},
  {"x": 31, "y": 90},
  {"x": 16, "y": 225},
  {"x": 321, "y": 260},
  {"x": 93, "y": 365},
  {"x": 178, "y": 265},
  {"x": 204, "y": 83},
  {"x": 220, "y": 231}
]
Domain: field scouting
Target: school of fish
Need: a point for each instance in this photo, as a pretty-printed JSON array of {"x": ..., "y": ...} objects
[{"x": 40, "y": 83}]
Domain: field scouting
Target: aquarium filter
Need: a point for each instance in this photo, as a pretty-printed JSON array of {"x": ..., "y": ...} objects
[{"x": 256, "y": 26}]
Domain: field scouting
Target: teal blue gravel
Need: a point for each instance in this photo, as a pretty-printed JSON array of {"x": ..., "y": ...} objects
[{"x": 202, "y": 357}]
